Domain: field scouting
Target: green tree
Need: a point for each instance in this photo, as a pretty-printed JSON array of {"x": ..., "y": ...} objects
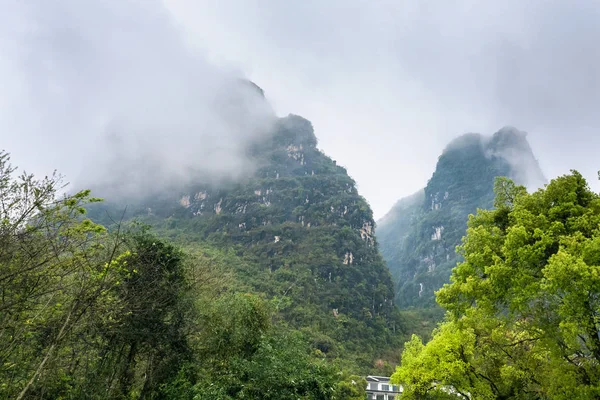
[
  {"x": 146, "y": 342},
  {"x": 241, "y": 355},
  {"x": 350, "y": 387},
  {"x": 55, "y": 271},
  {"x": 85, "y": 313},
  {"x": 524, "y": 307}
]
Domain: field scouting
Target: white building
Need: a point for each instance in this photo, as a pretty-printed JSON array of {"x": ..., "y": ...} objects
[{"x": 380, "y": 388}]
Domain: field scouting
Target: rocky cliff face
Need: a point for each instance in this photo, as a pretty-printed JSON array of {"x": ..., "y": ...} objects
[
  {"x": 419, "y": 235},
  {"x": 300, "y": 213}
]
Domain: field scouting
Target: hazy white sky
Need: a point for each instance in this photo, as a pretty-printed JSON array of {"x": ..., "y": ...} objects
[{"x": 386, "y": 83}]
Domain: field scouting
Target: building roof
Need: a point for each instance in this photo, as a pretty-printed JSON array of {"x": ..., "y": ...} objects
[{"x": 375, "y": 378}]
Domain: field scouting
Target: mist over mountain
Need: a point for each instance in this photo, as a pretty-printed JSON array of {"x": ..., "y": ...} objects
[
  {"x": 101, "y": 95},
  {"x": 210, "y": 145},
  {"x": 418, "y": 236}
]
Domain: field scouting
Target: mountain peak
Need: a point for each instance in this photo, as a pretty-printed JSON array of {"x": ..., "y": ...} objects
[
  {"x": 295, "y": 130},
  {"x": 419, "y": 235},
  {"x": 509, "y": 145}
]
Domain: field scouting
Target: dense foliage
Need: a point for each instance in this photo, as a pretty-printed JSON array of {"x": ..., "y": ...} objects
[
  {"x": 419, "y": 236},
  {"x": 523, "y": 307}
]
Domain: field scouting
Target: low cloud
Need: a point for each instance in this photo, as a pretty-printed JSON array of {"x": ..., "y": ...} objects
[
  {"x": 108, "y": 92},
  {"x": 511, "y": 144}
]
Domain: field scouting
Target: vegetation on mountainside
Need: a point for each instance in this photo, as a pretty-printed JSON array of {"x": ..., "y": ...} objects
[
  {"x": 299, "y": 233},
  {"x": 419, "y": 236},
  {"x": 523, "y": 307},
  {"x": 87, "y": 313}
]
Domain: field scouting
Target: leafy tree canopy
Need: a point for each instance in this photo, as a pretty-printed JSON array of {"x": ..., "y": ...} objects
[{"x": 523, "y": 317}]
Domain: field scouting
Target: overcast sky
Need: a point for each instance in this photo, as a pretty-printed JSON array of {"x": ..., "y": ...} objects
[{"x": 386, "y": 83}]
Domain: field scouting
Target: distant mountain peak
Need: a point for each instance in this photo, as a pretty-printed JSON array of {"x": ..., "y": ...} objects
[
  {"x": 509, "y": 144},
  {"x": 419, "y": 235}
]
